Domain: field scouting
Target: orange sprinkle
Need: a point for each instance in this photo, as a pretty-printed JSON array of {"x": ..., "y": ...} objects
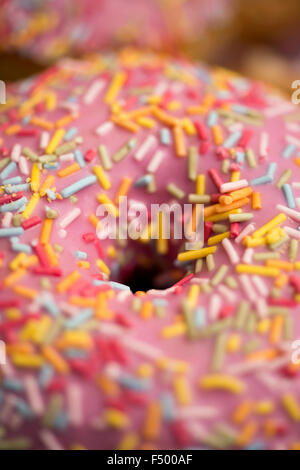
[
  {"x": 277, "y": 263},
  {"x": 58, "y": 362},
  {"x": 152, "y": 422},
  {"x": 46, "y": 231},
  {"x": 179, "y": 142},
  {"x": 123, "y": 189},
  {"x": 68, "y": 281},
  {"x": 242, "y": 411},
  {"x": 234, "y": 205},
  {"x": 276, "y": 329},
  {"x": 69, "y": 170},
  {"x": 247, "y": 434},
  {"x": 256, "y": 201},
  {"x": 147, "y": 310},
  {"x": 25, "y": 292}
]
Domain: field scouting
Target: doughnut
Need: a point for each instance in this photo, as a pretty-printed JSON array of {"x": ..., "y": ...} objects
[
  {"x": 148, "y": 343},
  {"x": 46, "y": 30}
]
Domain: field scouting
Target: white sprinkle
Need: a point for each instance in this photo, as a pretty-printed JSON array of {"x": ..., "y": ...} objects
[
  {"x": 67, "y": 157},
  {"x": 260, "y": 285},
  {"x": 104, "y": 128},
  {"x": 70, "y": 217},
  {"x": 248, "y": 229},
  {"x": 23, "y": 165},
  {"x": 45, "y": 136},
  {"x": 293, "y": 140},
  {"x": 16, "y": 153},
  {"x": 241, "y": 368},
  {"x": 160, "y": 88},
  {"x": 248, "y": 254},
  {"x": 232, "y": 254},
  {"x": 6, "y": 221},
  {"x": 156, "y": 161},
  {"x": 196, "y": 412},
  {"x": 49, "y": 440},
  {"x": 281, "y": 108},
  {"x": 215, "y": 306},
  {"x": 33, "y": 394},
  {"x": 261, "y": 307},
  {"x": 296, "y": 185},
  {"x": 233, "y": 186},
  {"x": 226, "y": 292},
  {"x": 62, "y": 233},
  {"x": 93, "y": 91},
  {"x": 263, "y": 145},
  {"x": 289, "y": 212},
  {"x": 74, "y": 399},
  {"x": 141, "y": 347},
  {"x": 248, "y": 288},
  {"x": 292, "y": 232},
  {"x": 146, "y": 146}
]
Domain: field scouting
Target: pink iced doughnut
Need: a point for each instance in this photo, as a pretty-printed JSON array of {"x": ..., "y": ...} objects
[
  {"x": 46, "y": 30},
  {"x": 211, "y": 360}
]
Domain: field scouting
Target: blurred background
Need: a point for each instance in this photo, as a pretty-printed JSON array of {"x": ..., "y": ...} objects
[{"x": 259, "y": 38}]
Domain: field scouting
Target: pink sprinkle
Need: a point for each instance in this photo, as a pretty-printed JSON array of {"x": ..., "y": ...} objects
[
  {"x": 202, "y": 132},
  {"x": 216, "y": 177},
  {"x": 246, "y": 136},
  {"x": 234, "y": 229}
]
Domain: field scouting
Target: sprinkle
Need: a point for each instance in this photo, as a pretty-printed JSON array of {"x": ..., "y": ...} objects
[
  {"x": 123, "y": 189},
  {"x": 105, "y": 158},
  {"x": 291, "y": 406},
  {"x": 231, "y": 252},
  {"x": 68, "y": 281},
  {"x": 288, "y": 193},
  {"x": 219, "y": 276},
  {"x": 124, "y": 150},
  {"x": 104, "y": 128},
  {"x": 10, "y": 168},
  {"x": 55, "y": 141},
  {"x": 80, "y": 184},
  {"x": 115, "y": 87},
  {"x": 46, "y": 231},
  {"x": 196, "y": 254},
  {"x": 70, "y": 217},
  {"x": 269, "y": 226},
  {"x": 93, "y": 91},
  {"x": 11, "y": 232},
  {"x": 256, "y": 201},
  {"x": 156, "y": 161},
  {"x": 200, "y": 184},
  {"x": 179, "y": 141},
  {"x": 152, "y": 423},
  {"x": 286, "y": 175},
  {"x": 69, "y": 170},
  {"x": 182, "y": 391},
  {"x": 251, "y": 158},
  {"x": 222, "y": 382},
  {"x": 102, "y": 177},
  {"x": 260, "y": 270},
  {"x": 192, "y": 163},
  {"x": 175, "y": 191}
]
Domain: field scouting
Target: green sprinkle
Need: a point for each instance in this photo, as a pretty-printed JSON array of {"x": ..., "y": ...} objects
[
  {"x": 286, "y": 175},
  {"x": 219, "y": 352},
  {"x": 105, "y": 158},
  {"x": 251, "y": 159},
  {"x": 219, "y": 276},
  {"x": 241, "y": 315},
  {"x": 293, "y": 249},
  {"x": 210, "y": 262}
]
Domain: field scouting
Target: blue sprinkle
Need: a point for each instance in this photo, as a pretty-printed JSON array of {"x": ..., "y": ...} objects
[
  {"x": 289, "y": 150},
  {"x": 21, "y": 247},
  {"x": 160, "y": 302},
  {"x": 168, "y": 407},
  {"x": 51, "y": 307},
  {"x": 17, "y": 187},
  {"x": 271, "y": 170},
  {"x": 112, "y": 284},
  {"x": 24, "y": 409},
  {"x": 143, "y": 181},
  {"x": 51, "y": 166},
  {"x": 289, "y": 196},
  {"x": 199, "y": 317},
  {"x": 13, "y": 180},
  {"x": 79, "y": 158},
  {"x": 212, "y": 118},
  {"x": 232, "y": 140},
  {"x": 14, "y": 205},
  {"x": 80, "y": 184},
  {"x": 51, "y": 194},
  {"x": 239, "y": 108},
  {"x": 11, "y": 232},
  {"x": 80, "y": 254},
  {"x": 165, "y": 136},
  {"x": 240, "y": 157},
  {"x": 133, "y": 383},
  {"x": 45, "y": 375},
  {"x": 10, "y": 168},
  {"x": 13, "y": 385},
  {"x": 71, "y": 133},
  {"x": 261, "y": 180},
  {"x": 79, "y": 319}
]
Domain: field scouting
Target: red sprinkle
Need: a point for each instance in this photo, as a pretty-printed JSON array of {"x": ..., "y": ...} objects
[
  {"x": 29, "y": 223},
  {"x": 90, "y": 155}
]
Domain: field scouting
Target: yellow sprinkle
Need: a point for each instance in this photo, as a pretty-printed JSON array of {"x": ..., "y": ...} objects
[
  {"x": 253, "y": 242},
  {"x": 83, "y": 264},
  {"x": 222, "y": 382},
  {"x": 247, "y": 434},
  {"x": 35, "y": 178},
  {"x": 109, "y": 205},
  {"x": 217, "y": 238},
  {"x": 193, "y": 295},
  {"x": 47, "y": 184},
  {"x": 196, "y": 254},
  {"x": 123, "y": 189},
  {"x": 260, "y": 270},
  {"x": 14, "y": 277},
  {"x": 291, "y": 406},
  {"x": 263, "y": 326},
  {"x": 55, "y": 359},
  {"x": 276, "y": 329},
  {"x": 223, "y": 216},
  {"x": 68, "y": 281},
  {"x": 152, "y": 422},
  {"x": 269, "y": 226},
  {"x": 55, "y": 141},
  {"x": 145, "y": 370},
  {"x": 111, "y": 251},
  {"x": 181, "y": 390},
  {"x": 147, "y": 310},
  {"x": 179, "y": 142},
  {"x": 128, "y": 125},
  {"x": 264, "y": 407},
  {"x": 283, "y": 265},
  {"x": 51, "y": 255},
  {"x": 178, "y": 329},
  {"x": 264, "y": 354},
  {"x": 242, "y": 412},
  {"x": 116, "y": 418},
  {"x": 114, "y": 88},
  {"x": 69, "y": 170},
  {"x": 188, "y": 126},
  {"x": 146, "y": 122},
  {"x": 233, "y": 343},
  {"x": 108, "y": 386},
  {"x": 17, "y": 261},
  {"x": 235, "y": 176},
  {"x": 31, "y": 361},
  {"x": 200, "y": 185},
  {"x": 25, "y": 292},
  {"x": 217, "y": 134},
  {"x": 102, "y": 177},
  {"x": 164, "y": 117},
  {"x": 128, "y": 442},
  {"x": 281, "y": 280},
  {"x": 31, "y": 205},
  {"x": 75, "y": 339},
  {"x": 46, "y": 231},
  {"x": 102, "y": 266}
]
